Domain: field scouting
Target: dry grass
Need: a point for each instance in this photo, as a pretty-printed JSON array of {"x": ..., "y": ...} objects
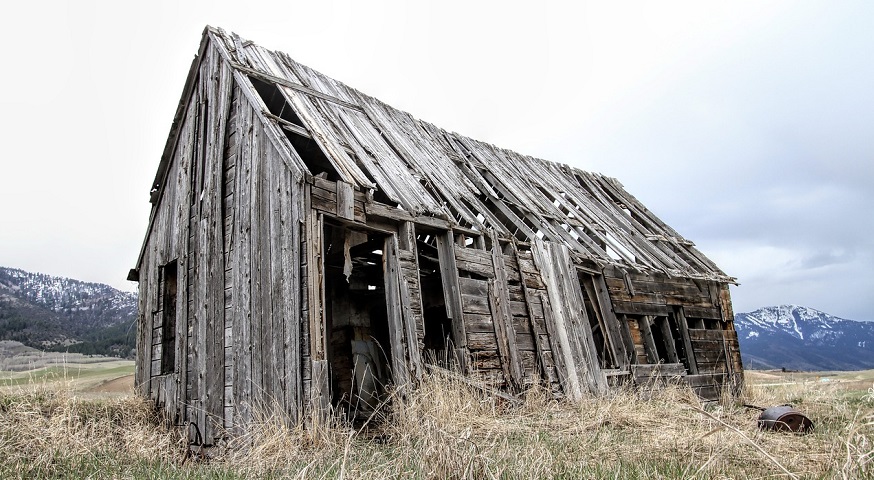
[{"x": 448, "y": 430}]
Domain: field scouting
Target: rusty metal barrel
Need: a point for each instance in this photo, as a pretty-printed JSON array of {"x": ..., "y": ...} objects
[{"x": 784, "y": 419}]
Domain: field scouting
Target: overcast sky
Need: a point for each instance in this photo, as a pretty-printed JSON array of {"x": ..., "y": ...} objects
[{"x": 747, "y": 126}]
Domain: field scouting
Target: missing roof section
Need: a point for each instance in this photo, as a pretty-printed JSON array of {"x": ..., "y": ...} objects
[{"x": 309, "y": 151}]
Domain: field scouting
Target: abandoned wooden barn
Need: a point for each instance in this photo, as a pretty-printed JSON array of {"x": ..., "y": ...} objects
[{"x": 310, "y": 246}]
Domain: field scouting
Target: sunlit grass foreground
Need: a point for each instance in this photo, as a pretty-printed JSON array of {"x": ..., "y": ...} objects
[{"x": 447, "y": 429}]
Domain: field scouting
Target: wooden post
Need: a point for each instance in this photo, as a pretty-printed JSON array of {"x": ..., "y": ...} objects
[{"x": 406, "y": 240}]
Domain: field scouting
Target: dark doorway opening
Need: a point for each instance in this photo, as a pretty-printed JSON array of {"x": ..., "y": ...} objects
[
  {"x": 438, "y": 324},
  {"x": 358, "y": 345}
]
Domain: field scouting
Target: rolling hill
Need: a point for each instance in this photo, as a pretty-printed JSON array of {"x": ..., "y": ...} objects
[{"x": 63, "y": 314}]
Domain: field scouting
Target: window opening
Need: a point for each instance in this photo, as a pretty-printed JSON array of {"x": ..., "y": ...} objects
[
  {"x": 168, "y": 317},
  {"x": 712, "y": 324},
  {"x": 671, "y": 325},
  {"x": 603, "y": 348},
  {"x": 660, "y": 341},
  {"x": 438, "y": 325}
]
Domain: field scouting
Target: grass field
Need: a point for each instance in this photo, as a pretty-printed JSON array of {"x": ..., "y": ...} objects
[{"x": 57, "y": 423}]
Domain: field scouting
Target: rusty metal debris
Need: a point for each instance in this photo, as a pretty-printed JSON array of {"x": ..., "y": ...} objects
[{"x": 784, "y": 418}]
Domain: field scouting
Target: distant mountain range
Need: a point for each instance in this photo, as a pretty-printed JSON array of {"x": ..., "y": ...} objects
[
  {"x": 801, "y": 338},
  {"x": 62, "y": 314}
]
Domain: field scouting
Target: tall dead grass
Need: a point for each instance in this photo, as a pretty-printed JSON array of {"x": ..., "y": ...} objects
[
  {"x": 52, "y": 434},
  {"x": 447, "y": 429}
]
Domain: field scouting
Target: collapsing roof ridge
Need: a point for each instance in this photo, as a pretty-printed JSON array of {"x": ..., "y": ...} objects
[{"x": 420, "y": 168}]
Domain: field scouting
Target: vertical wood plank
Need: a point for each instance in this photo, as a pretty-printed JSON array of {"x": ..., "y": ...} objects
[
  {"x": 668, "y": 337},
  {"x": 452, "y": 293},
  {"x": 289, "y": 275},
  {"x": 277, "y": 297},
  {"x": 532, "y": 324},
  {"x": 406, "y": 240},
  {"x": 567, "y": 379},
  {"x": 390, "y": 269},
  {"x": 201, "y": 267},
  {"x": 570, "y": 320},
  {"x": 320, "y": 399},
  {"x": 345, "y": 200},
  {"x": 499, "y": 302},
  {"x": 652, "y": 353},
  {"x": 257, "y": 244},
  {"x": 316, "y": 285},
  {"x": 619, "y": 343},
  {"x": 243, "y": 345},
  {"x": 687, "y": 341}
]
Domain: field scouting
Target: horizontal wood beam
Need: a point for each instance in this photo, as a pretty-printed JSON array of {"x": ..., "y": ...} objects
[
  {"x": 291, "y": 127},
  {"x": 294, "y": 86},
  {"x": 384, "y": 211}
]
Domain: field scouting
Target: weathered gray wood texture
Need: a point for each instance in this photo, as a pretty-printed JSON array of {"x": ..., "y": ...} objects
[
  {"x": 550, "y": 275},
  {"x": 230, "y": 213}
]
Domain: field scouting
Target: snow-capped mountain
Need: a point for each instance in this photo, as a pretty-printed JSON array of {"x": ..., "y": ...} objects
[
  {"x": 50, "y": 312},
  {"x": 802, "y": 338}
]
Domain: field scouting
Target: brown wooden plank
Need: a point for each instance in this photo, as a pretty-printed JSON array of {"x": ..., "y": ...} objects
[
  {"x": 702, "y": 312},
  {"x": 478, "y": 323},
  {"x": 658, "y": 370},
  {"x": 687, "y": 341},
  {"x": 473, "y": 255},
  {"x": 473, "y": 286},
  {"x": 630, "y": 308},
  {"x": 483, "y": 341},
  {"x": 696, "y": 334},
  {"x": 475, "y": 304},
  {"x": 483, "y": 270}
]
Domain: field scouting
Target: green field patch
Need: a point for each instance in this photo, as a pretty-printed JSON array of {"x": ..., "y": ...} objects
[{"x": 67, "y": 373}]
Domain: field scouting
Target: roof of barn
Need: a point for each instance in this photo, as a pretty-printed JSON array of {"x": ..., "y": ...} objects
[{"x": 428, "y": 171}]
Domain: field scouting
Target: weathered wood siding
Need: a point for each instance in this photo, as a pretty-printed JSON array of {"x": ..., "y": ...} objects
[
  {"x": 230, "y": 213},
  {"x": 262, "y": 288},
  {"x": 701, "y": 312}
]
